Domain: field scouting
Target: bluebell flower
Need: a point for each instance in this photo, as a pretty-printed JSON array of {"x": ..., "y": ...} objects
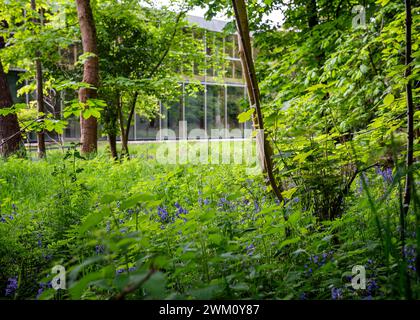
[
  {"x": 386, "y": 174},
  {"x": 42, "y": 287},
  {"x": 12, "y": 285},
  {"x": 256, "y": 206},
  {"x": 162, "y": 213},
  {"x": 40, "y": 291},
  {"x": 119, "y": 271},
  {"x": 132, "y": 269},
  {"x": 250, "y": 249},
  {"x": 206, "y": 201},
  {"x": 180, "y": 209},
  {"x": 222, "y": 201},
  {"x": 336, "y": 294},
  {"x": 303, "y": 296},
  {"x": 99, "y": 248},
  {"x": 2, "y": 219}
]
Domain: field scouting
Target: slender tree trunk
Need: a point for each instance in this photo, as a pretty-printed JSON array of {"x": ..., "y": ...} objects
[
  {"x": 251, "y": 97},
  {"x": 41, "y": 110},
  {"x": 127, "y": 128},
  {"x": 10, "y": 136},
  {"x": 244, "y": 37},
  {"x": 124, "y": 148},
  {"x": 39, "y": 95},
  {"x": 89, "y": 126},
  {"x": 410, "y": 111},
  {"x": 112, "y": 140},
  {"x": 410, "y": 140}
]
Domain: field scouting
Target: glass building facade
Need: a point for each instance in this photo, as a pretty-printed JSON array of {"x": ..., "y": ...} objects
[{"x": 215, "y": 107}]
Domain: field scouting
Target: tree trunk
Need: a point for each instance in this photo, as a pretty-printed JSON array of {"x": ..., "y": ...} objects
[
  {"x": 252, "y": 102},
  {"x": 112, "y": 140},
  {"x": 41, "y": 110},
  {"x": 243, "y": 31},
  {"x": 410, "y": 111},
  {"x": 89, "y": 126},
  {"x": 127, "y": 129},
  {"x": 39, "y": 96},
  {"x": 10, "y": 136},
  {"x": 124, "y": 147}
]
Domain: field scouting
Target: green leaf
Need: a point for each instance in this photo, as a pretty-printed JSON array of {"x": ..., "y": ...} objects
[
  {"x": 300, "y": 157},
  {"x": 93, "y": 219},
  {"x": 246, "y": 115},
  {"x": 87, "y": 113},
  {"x": 289, "y": 193},
  {"x": 80, "y": 286},
  {"x": 108, "y": 198},
  {"x": 389, "y": 98},
  {"x": 289, "y": 241},
  {"x": 132, "y": 201}
]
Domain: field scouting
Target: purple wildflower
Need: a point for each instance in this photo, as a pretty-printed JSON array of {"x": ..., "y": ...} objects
[
  {"x": 162, "y": 213},
  {"x": 250, "y": 249},
  {"x": 336, "y": 294},
  {"x": 99, "y": 248},
  {"x": 12, "y": 285}
]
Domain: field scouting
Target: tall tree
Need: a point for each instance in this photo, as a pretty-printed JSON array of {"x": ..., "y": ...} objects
[
  {"x": 253, "y": 90},
  {"x": 140, "y": 52},
  {"x": 39, "y": 93},
  {"x": 10, "y": 136},
  {"x": 410, "y": 108},
  {"x": 88, "y": 126}
]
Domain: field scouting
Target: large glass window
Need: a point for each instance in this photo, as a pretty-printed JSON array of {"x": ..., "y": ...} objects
[
  {"x": 238, "y": 69},
  {"x": 171, "y": 115},
  {"x": 229, "y": 69},
  {"x": 146, "y": 129},
  {"x": 229, "y": 45},
  {"x": 235, "y": 97},
  {"x": 194, "y": 110},
  {"x": 216, "y": 118}
]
